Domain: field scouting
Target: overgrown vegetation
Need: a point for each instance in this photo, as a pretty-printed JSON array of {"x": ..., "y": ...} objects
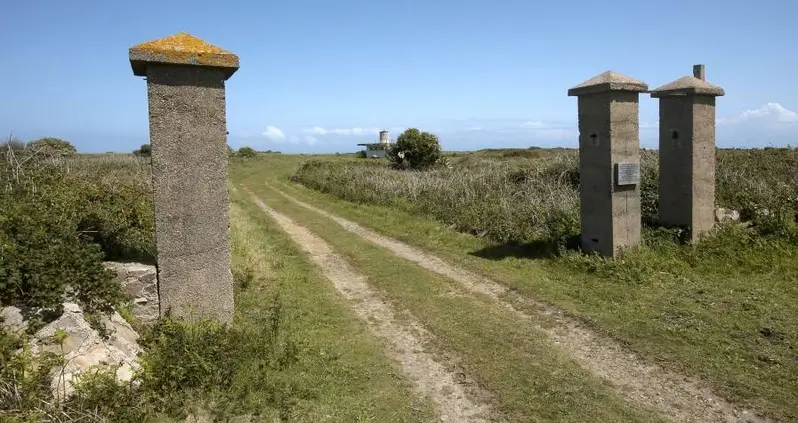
[
  {"x": 533, "y": 197},
  {"x": 14, "y": 144},
  {"x": 59, "y": 221},
  {"x": 144, "y": 151},
  {"x": 197, "y": 367},
  {"x": 51, "y": 147},
  {"x": 60, "y": 218},
  {"x": 415, "y": 149},
  {"x": 247, "y": 152}
]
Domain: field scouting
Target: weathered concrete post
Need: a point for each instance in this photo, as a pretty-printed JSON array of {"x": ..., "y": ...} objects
[
  {"x": 185, "y": 88},
  {"x": 609, "y": 162},
  {"x": 687, "y": 152}
]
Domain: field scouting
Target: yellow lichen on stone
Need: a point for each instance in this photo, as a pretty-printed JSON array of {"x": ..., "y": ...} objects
[{"x": 183, "y": 47}]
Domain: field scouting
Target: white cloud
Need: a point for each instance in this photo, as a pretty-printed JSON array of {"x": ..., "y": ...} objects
[
  {"x": 771, "y": 111},
  {"x": 533, "y": 124},
  {"x": 767, "y": 113},
  {"x": 305, "y": 139},
  {"x": 317, "y": 130},
  {"x": 274, "y": 133}
]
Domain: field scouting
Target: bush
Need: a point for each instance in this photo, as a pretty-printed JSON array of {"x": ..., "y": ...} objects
[
  {"x": 120, "y": 218},
  {"x": 361, "y": 154},
  {"x": 43, "y": 266},
  {"x": 144, "y": 151},
  {"x": 221, "y": 360},
  {"x": 415, "y": 150},
  {"x": 51, "y": 147},
  {"x": 56, "y": 229},
  {"x": 247, "y": 152},
  {"x": 13, "y": 144}
]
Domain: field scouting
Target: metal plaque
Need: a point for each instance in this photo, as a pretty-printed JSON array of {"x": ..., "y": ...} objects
[{"x": 627, "y": 173}]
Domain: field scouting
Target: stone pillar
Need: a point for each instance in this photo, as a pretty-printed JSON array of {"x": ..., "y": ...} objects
[
  {"x": 687, "y": 152},
  {"x": 185, "y": 88},
  {"x": 609, "y": 162}
]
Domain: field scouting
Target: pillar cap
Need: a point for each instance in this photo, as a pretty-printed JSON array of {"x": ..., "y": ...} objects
[
  {"x": 181, "y": 49},
  {"x": 687, "y": 85},
  {"x": 606, "y": 82}
]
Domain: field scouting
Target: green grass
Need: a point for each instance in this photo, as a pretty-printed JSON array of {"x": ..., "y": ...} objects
[
  {"x": 295, "y": 351},
  {"x": 341, "y": 365},
  {"x": 530, "y": 197},
  {"x": 723, "y": 311},
  {"x": 529, "y": 380}
]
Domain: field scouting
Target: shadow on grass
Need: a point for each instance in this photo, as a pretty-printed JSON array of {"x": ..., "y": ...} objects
[{"x": 540, "y": 249}]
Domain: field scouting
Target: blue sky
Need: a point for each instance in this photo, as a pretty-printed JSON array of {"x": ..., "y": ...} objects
[{"x": 322, "y": 76}]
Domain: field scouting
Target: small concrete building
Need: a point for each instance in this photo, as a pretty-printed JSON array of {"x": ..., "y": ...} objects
[{"x": 376, "y": 150}]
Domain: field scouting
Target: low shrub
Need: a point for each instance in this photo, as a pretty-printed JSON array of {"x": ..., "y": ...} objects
[
  {"x": 415, "y": 149},
  {"x": 247, "y": 152},
  {"x": 51, "y": 147},
  {"x": 230, "y": 371},
  {"x": 57, "y": 227},
  {"x": 24, "y": 378},
  {"x": 120, "y": 218},
  {"x": 43, "y": 265},
  {"x": 533, "y": 197},
  {"x": 144, "y": 151}
]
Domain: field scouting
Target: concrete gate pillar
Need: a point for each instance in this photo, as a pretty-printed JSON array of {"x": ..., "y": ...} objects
[
  {"x": 609, "y": 162},
  {"x": 687, "y": 152},
  {"x": 186, "y": 94}
]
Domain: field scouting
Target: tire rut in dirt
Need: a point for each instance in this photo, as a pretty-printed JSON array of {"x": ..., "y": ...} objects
[
  {"x": 681, "y": 398},
  {"x": 405, "y": 341}
]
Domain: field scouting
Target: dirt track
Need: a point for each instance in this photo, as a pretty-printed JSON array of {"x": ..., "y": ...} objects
[
  {"x": 404, "y": 341},
  {"x": 678, "y": 397}
]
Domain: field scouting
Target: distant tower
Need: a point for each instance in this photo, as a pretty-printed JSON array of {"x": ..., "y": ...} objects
[{"x": 384, "y": 137}]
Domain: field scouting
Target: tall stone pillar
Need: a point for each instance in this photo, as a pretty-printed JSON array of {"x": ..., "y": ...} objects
[
  {"x": 609, "y": 162},
  {"x": 687, "y": 152},
  {"x": 186, "y": 93}
]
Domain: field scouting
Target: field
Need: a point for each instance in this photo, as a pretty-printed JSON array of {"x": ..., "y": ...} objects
[
  {"x": 365, "y": 293},
  {"x": 720, "y": 311}
]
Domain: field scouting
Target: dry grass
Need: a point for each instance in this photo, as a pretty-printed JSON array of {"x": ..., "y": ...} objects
[{"x": 523, "y": 200}]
